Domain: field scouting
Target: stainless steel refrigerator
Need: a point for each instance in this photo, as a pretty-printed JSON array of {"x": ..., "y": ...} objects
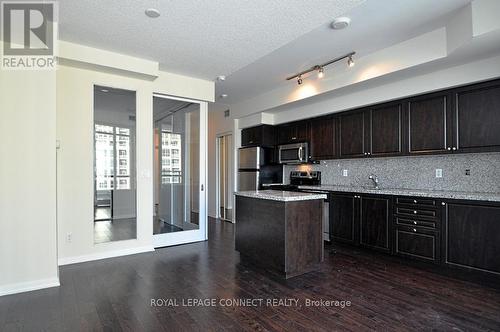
[{"x": 250, "y": 161}]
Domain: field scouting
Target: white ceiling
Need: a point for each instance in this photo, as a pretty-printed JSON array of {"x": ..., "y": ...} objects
[
  {"x": 199, "y": 38},
  {"x": 375, "y": 25}
]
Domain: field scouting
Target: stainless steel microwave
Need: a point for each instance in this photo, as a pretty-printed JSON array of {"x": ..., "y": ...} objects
[{"x": 293, "y": 153}]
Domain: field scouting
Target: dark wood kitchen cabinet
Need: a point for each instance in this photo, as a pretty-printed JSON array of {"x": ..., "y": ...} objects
[
  {"x": 343, "y": 218},
  {"x": 429, "y": 124},
  {"x": 375, "y": 222},
  {"x": 361, "y": 220},
  {"x": 352, "y": 134},
  {"x": 323, "y": 142},
  {"x": 384, "y": 130},
  {"x": 472, "y": 235},
  {"x": 477, "y": 117},
  {"x": 263, "y": 135},
  {"x": 293, "y": 132}
]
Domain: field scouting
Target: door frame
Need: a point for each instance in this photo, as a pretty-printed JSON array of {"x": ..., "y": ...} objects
[
  {"x": 217, "y": 172},
  {"x": 200, "y": 234}
]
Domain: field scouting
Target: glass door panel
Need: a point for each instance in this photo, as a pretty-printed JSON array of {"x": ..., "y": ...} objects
[{"x": 178, "y": 169}]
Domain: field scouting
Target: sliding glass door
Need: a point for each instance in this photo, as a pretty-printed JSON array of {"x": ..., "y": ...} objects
[{"x": 180, "y": 163}]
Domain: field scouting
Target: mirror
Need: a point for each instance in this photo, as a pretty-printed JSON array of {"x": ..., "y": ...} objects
[{"x": 115, "y": 216}]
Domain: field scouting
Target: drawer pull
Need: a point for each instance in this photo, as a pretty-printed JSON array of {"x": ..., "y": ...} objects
[
  {"x": 415, "y": 201},
  {"x": 415, "y": 222},
  {"x": 415, "y": 212},
  {"x": 414, "y": 229}
]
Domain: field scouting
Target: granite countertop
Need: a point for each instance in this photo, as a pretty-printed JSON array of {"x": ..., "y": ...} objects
[
  {"x": 476, "y": 196},
  {"x": 282, "y": 196}
]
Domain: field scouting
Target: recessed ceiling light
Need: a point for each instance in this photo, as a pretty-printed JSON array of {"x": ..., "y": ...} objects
[
  {"x": 152, "y": 12},
  {"x": 221, "y": 78},
  {"x": 341, "y": 23}
]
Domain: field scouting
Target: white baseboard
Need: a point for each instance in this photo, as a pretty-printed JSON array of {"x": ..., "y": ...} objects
[
  {"x": 28, "y": 286},
  {"x": 104, "y": 255}
]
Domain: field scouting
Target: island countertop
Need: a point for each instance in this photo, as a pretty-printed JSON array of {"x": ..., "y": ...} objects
[{"x": 281, "y": 196}]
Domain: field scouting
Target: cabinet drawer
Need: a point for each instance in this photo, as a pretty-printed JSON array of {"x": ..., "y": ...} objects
[
  {"x": 416, "y": 201},
  {"x": 417, "y": 212},
  {"x": 417, "y": 243},
  {"x": 414, "y": 222}
]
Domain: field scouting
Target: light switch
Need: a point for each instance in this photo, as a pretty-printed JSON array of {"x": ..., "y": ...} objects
[
  {"x": 439, "y": 172},
  {"x": 344, "y": 172}
]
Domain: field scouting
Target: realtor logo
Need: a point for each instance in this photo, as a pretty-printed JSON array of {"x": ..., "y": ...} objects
[{"x": 28, "y": 34}]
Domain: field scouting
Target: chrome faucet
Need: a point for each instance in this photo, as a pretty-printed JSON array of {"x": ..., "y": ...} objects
[{"x": 375, "y": 180}]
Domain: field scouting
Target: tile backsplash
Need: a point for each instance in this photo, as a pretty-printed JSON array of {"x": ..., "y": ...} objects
[{"x": 416, "y": 172}]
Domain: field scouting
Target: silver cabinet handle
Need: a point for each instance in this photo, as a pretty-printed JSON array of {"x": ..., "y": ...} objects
[
  {"x": 415, "y": 212},
  {"x": 449, "y": 149},
  {"x": 369, "y": 153},
  {"x": 415, "y": 201},
  {"x": 414, "y": 229},
  {"x": 294, "y": 137},
  {"x": 414, "y": 222},
  {"x": 366, "y": 153},
  {"x": 454, "y": 149},
  {"x": 443, "y": 203}
]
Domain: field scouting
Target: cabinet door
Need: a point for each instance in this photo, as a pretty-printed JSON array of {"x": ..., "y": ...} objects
[
  {"x": 375, "y": 222},
  {"x": 352, "y": 134},
  {"x": 286, "y": 133},
  {"x": 323, "y": 138},
  {"x": 385, "y": 130},
  {"x": 303, "y": 131},
  {"x": 343, "y": 218},
  {"x": 250, "y": 137},
  {"x": 473, "y": 236},
  {"x": 417, "y": 243},
  {"x": 429, "y": 124},
  {"x": 477, "y": 117}
]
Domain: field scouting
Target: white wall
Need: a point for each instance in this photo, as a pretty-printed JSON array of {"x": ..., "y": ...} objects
[{"x": 28, "y": 257}]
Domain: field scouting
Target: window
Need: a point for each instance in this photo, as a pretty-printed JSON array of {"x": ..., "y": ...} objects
[
  {"x": 112, "y": 152},
  {"x": 171, "y": 158}
]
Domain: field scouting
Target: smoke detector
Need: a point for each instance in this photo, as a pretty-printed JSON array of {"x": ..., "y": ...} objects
[{"x": 340, "y": 23}]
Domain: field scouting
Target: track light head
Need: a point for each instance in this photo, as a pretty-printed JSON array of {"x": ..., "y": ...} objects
[
  {"x": 299, "y": 80},
  {"x": 350, "y": 62},
  {"x": 321, "y": 72}
]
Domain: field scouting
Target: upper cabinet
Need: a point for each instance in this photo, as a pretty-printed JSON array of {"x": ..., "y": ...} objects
[
  {"x": 429, "y": 125},
  {"x": 293, "y": 132},
  {"x": 323, "y": 138},
  {"x": 385, "y": 130},
  {"x": 376, "y": 131},
  {"x": 263, "y": 135},
  {"x": 477, "y": 117},
  {"x": 352, "y": 134},
  {"x": 458, "y": 120}
]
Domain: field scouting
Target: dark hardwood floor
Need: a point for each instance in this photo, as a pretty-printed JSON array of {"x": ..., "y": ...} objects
[{"x": 115, "y": 295}]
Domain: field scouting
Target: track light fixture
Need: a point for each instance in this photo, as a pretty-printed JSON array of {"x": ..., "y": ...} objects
[
  {"x": 350, "y": 62},
  {"x": 321, "y": 68},
  {"x": 321, "y": 72}
]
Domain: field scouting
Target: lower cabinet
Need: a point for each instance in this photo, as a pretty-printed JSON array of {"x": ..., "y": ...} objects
[
  {"x": 417, "y": 243},
  {"x": 343, "y": 216},
  {"x": 361, "y": 220},
  {"x": 375, "y": 222},
  {"x": 454, "y": 233},
  {"x": 473, "y": 236}
]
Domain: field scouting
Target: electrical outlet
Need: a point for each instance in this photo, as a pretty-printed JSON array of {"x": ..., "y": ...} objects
[
  {"x": 467, "y": 172},
  {"x": 69, "y": 237},
  {"x": 344, "y": 172},
  {"x": 439, "y": 172}
]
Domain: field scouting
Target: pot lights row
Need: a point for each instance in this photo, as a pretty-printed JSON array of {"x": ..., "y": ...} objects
[{"x": 321, "y": 68}]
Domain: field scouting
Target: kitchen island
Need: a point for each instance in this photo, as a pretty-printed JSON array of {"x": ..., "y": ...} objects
[{"x": 280, "y": 231}]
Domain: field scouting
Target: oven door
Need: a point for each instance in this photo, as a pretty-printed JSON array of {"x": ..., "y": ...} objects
[{"x": 293, "y": 153}]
